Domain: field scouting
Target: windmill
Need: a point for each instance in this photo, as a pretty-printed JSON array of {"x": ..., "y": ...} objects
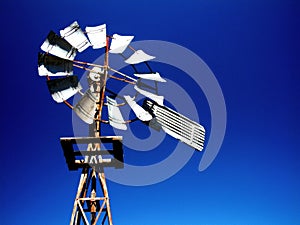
[{"x": 57, "y": 63}]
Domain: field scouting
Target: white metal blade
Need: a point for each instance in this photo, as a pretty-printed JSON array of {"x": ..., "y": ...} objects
[
  {"x": 150, "y": 76},
  {"x": 75, "y": 36},
  {"x": 60, "y": 96},
  {"x": 49, "y": 65},
  {"x": 157, "y": 98},
  {"x": 43, "y": 71},
  {"x": 138, "y": 57},
  {"x": 137, "y": 109},
  {"x": 58, "y": 46},
  {"x": 115, "y": 117},
  {"x": 120, "y": 43},
  {"x": 97, "y": 36}
]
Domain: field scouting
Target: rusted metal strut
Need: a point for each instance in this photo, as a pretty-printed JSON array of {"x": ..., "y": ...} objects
[{"x": 92, "y": 206}]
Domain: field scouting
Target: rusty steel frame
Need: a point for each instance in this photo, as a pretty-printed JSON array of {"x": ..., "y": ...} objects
[{"x": 86, "y": 191}]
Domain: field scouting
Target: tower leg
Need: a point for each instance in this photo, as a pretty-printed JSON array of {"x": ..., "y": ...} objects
[
  {"x": 82, "y": 181},
  {"x": 87, "y": 205},
  {"x": 105, "y": 192}
]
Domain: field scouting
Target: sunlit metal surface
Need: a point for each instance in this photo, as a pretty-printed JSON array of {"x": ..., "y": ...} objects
[
  {"x": 115, "y": 117},
  {"x": 97, "y": 36},
  {"x": 119, "y": 43},
  {"x": 150, "y": 76},
  {"x": 137, "y": 109},
  {"x": 138, "y": 57},
  {"x": 63, "y": 88},
  {"x": 58, "y": 46},
  {"x": 86, "y": 107},
  {"x": 75, "y": 36},
  {"x": 177, "y": 125},
  {"x": 50, "y": 65}
]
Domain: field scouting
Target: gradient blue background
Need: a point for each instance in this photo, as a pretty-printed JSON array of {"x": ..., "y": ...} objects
[{"x": 253, "y": 49}]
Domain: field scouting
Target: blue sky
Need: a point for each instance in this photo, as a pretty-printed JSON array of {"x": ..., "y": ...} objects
[{"x": 252, "y": 47}]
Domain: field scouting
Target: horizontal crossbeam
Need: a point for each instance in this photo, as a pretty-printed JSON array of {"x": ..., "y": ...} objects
[{"x": 93, "y": 158}]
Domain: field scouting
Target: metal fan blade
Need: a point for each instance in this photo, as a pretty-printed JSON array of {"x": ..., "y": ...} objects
[
  {"x": 58, "y": 46},
  {"x": 63, "y": 88},
  {"x": 75, "y": 36},
  {"x": 138, "y": 110},
  {"x": 97, "y": 36},
  {"x": 119, "y": 43},
  {"x": 115, "y": 117},
  {"x": 150, "y": 76},
  {"x": 50, "y": 65},
  {"x": 138, "y": 57}
]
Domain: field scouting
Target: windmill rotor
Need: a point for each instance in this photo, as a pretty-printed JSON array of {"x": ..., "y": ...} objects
[{"x": 58, "y": 60}]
